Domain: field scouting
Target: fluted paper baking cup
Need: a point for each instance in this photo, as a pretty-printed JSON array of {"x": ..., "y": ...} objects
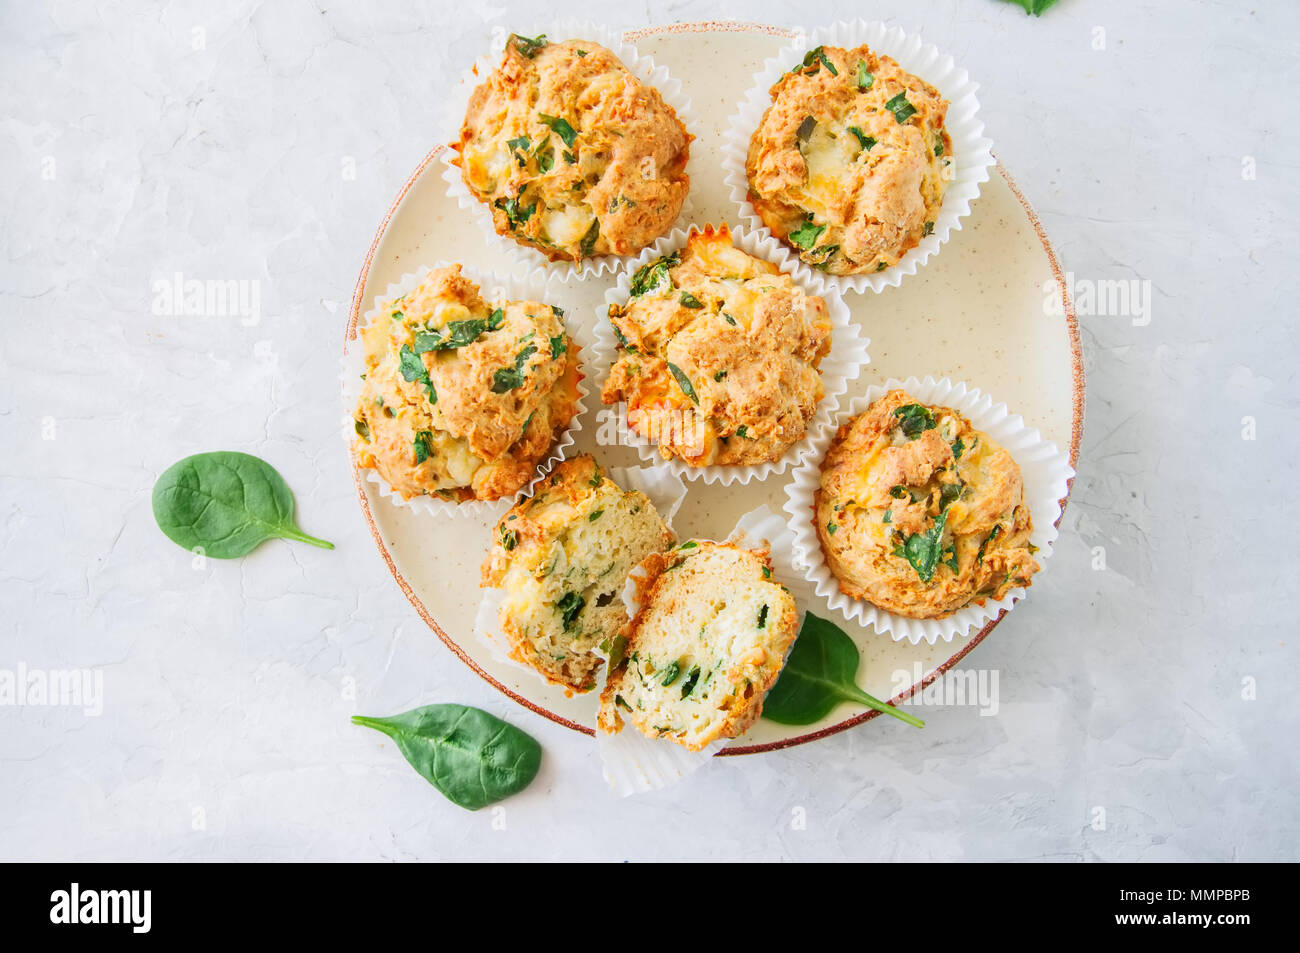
[
  {"x": 1045, "y": 470},
  {"x": 847, "y": 357},
  {"x": 666, "y": 493},
  {"x": 972, "y": 155},
  {"x": 633, "y": 763},
  {"x": 457, "y": 102},
  {"x": 493, "y": 287}
]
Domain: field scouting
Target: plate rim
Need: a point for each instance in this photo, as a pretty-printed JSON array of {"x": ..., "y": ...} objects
[{"x": 1076, "y": 426}]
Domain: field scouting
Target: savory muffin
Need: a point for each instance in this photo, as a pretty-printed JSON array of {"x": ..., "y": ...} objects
[
  {"x": 919, "y": 513},
  {"x": 563, "y": 556},
  {"x": 708, "y": 642},
  {"x": 571, "y": 152},
  {"x": 849, "y": 164},
  {"x": 461, "y": 398},
  {"x": 718, "y": 354}
]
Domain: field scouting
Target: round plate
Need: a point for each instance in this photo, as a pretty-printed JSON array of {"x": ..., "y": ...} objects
[{"x": 976, "y": 312}]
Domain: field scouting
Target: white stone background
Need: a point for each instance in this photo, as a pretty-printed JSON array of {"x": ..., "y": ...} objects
[{"x": 1120, "y": 689}]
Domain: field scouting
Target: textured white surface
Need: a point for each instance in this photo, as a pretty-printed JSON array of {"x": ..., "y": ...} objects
[{"x": 128, "y": 154}]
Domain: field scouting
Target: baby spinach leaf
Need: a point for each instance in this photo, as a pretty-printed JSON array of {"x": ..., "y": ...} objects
[
  {"x": 508, "y": 378},
  {"x": 689, "y": 300},
  {"x": 473, "y": 758},
  {"x": 545, "y": 156},
  {"x": 654, "y": 275},
  {"x": 817, "y": 57},
  {"x": 514, "y": 214},
  {"x": 901, "y": 108},
  {"x": 526, "y": 46},
  {"x": 560, "y": 127},
  {"x": 1036, "y": 7},
  {"x": 569, "y": 607},
  {"x": 457, "y": 334},
  {"x": 914, "y": 420},
  {"x": 820, "y": 673},
  {"x": 623, "y": 342},
  {"x": 806, "y": 235},
  {"x": 683, "y": 381},
  {"x": 805, "y": 130},
  {"x": 227, "y": 503},
  {"x": 423, "y": 446},
  {"x": 922, "y": 549},
  {"x": 413, "y": 369},
  {"x": 692, "y": 677},
  {"x": 588, "y": 244},
  {"x": 864, "y": 78},
  {"x": 864, "y": 140},
  {"x": 670, "y": 673}
]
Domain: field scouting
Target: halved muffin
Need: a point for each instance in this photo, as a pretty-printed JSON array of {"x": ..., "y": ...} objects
[
  {"x": 562, "y": 556},
  {"x": 708, "y": 642},
  {"x": 718, "y": 354},
  {"x": 571, "y": 152},
  {"x": 849, "y": 164},
  {"x": 921, "y": 514},
  {"x": 462, "y": 398}
]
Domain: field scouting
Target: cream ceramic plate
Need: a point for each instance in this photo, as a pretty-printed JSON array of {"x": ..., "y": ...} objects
[{"x": 974, "y": 313}]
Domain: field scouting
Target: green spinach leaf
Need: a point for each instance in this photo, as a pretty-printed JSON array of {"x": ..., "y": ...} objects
[
  {"x": 922, "y": 549},
  {"x": 901, "y": 108},
  {"x": 569, "y": 607},
  {"x": 864, "y": 140},
  {"x": 508, "y": 378},
  {"x": 654, "y": 275},
  {"x": 820, "y": 674},
  {"x": 683, "y": 381},
  {"x": 914, "y": 420},
  {"x": 473, "y": 758},
  {"x": 560, "y": 127},
  {"x": 1036, "y": 7},
  {"x": 864, "y": 78},
  {"x": 227, "y": 503},
  {"x": 526, "y": 46},
  {"x": 806, "y": 235}
]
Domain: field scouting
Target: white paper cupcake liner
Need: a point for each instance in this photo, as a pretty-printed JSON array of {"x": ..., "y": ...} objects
[
  {"x": 493, "y": 287},
  {"x": 847, "y": 357},
  {"x": 633, "y": 763},
  {"x": 665, "y": 491},
  {"x": 457, "y": 102},
  {"x": 971, "y": 151},
  {"x": 1046, "y": 472}
]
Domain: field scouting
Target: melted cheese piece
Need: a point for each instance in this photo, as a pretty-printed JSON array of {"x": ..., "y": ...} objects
[
  {"x": 830, "y": 161},
  {"x": 488, "y": 166},
  {"x": 567, "y": 225}
]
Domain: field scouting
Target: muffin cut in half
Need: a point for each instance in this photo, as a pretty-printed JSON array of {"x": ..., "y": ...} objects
[
  {"x": 849, "y": 164},
  {"x": 461, "y": 398},
  {"x": 563, "y": 556},
  {"x": 718, "y": 354},
  {"x": 708, "y": 642},
  {"x": 919, "y": 513},
  {"x": 571, "y": 152}
]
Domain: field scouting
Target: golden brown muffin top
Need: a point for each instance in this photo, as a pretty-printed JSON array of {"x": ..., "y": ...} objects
[
  {"x": 921, "y": 514},
  {"x": 849, "y": 164},
  {"x": 571, "y": 152},
  {"x": 718, "y": 354}
]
